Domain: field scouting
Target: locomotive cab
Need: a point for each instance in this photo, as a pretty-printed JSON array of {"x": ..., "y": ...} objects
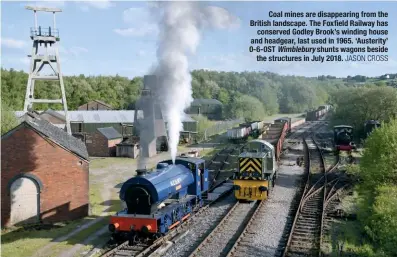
[
  {"x": 343, "y": 138},
  {"x": 256, "y": 171}
]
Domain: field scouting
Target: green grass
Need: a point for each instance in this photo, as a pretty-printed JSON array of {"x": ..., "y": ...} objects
[
  {"x": 80, "y": 237},
  {"x": 102, "y": 163},
  {"x": 21, "y": 242},
  {"x": 350, "y": 234},
  {"x": 96, "y": 200}
]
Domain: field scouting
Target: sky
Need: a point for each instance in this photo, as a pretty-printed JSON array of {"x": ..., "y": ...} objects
[{"x": 109, "y": 38}]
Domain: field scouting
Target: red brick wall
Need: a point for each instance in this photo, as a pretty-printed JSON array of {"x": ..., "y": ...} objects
[
  {"x": 112, "y": 146},
  {"x": 65, "y": 192},
  {"x": 97, "y": 145}
]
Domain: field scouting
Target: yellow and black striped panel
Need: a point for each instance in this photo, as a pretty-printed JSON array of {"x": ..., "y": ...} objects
[
  {"x": 250, "y": 190},
  {"x": 250, "y": 165}
]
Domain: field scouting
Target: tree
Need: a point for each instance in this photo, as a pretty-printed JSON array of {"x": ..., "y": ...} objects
[
  {"x": 8, "y": 119},
  {"x": 354, "y": 106},
  {"x": 248, "y": 107},
  {"x": 378, "y": 191}
]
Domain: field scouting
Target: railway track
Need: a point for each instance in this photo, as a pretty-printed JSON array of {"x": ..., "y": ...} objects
[
  {"x": 220, "y": 240},
  {"x": 335, "y": 190},
  {"x": 225, "y": 238},
  {"x": 306, "y": 230},
  {"x": 143, "y": 249}
]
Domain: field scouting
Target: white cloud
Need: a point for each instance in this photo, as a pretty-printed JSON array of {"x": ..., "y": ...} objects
[
  {"x": 13, "y": 43},
  {"x": 50, "y": 4},
  {"x": 141, "y": 53},
  {"x": 139, "y": 23},
  {"x": 225, "y": 58},
  {"x": 98, "y": 4},
  {"x": 76, "y": 50},
  {"x": 220, "y": 18},
  {"x": 137, "y": 32}
]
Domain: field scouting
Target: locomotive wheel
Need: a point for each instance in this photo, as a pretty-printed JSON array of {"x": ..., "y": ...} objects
[{"x": 157, "y": 236}]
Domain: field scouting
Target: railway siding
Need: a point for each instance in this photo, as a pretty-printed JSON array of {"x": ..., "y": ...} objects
[{"x": 266, "y": 232}]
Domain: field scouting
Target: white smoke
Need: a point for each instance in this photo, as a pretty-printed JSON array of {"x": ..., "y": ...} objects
[{"x": 179, "y": 35}]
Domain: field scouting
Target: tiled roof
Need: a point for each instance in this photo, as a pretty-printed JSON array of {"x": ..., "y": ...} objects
[{"x": 55, "y": 134}]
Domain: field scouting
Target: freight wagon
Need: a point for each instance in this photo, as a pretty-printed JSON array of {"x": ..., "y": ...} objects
[
  {"x": 238, "y": 134},
  {"x": 297, "y": 123},
  {"x": 275, "y": 135}
]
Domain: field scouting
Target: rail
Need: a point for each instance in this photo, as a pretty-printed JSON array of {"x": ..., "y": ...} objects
[
  {"x": 245, "y": 230},
  {"x": 311, "y": 189}
]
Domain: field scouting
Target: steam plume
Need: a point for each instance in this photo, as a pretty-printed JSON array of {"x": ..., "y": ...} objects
[{"x": 179, "y": 35}]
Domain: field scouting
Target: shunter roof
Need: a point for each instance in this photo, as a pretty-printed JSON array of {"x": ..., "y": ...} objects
[{"x": 55, "y": 134}]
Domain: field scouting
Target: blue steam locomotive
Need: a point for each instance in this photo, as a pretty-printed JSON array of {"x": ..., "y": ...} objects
[{"x": 159, "y": 200}]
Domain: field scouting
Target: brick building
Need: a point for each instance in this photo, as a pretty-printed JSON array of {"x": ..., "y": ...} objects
[
  {"x": 44, "y": 174},
  {"x": 102, "y": 143},
  {"x": 95, "y": 105}
]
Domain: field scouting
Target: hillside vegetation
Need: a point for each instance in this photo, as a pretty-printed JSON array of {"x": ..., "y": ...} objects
[
  {"x": 375, "y": 232},
  {"x": 268, "y": 93},
  {"x": 354, "y": 106},
  {"x": 250, "y": 95}
]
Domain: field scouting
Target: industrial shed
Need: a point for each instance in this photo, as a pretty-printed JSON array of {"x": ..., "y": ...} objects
[
  {"x": 82, "y": 122},
  {"x": 211, "y": 108},
  {"x": 129, "y": 147},
  {"x": 95, "y": 105},
  {"x": 102, "y": 143},
  {"x": 44, "y": 174}
]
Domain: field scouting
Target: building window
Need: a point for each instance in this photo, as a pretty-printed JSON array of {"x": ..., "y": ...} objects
[{"x": 80, "y": 127}]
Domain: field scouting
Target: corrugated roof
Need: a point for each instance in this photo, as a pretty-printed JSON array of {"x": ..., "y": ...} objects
[
  {"x": 55, "y": 134},
  {"x": 110, "y": 133},
  {"x": 59, "y": 115},
  {"x": 104, "y": 116},
  {"x": 201, "y": 101}
]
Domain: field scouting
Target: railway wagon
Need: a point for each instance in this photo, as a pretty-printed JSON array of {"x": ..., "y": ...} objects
[
  {"x": 257, "y": 171},
  {"x": 312, "y": 116},
  {"x": 287, "y": 120},
  {"x": 297, "y": 123},
  {"x": 159, "y": 200},
  {"x": 238, "y": 134},
  {"x": 275, "y": 135},
  {"x": 257, "y": 128}
]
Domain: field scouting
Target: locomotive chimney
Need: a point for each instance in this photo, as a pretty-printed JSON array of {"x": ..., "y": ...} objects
[{"x": 141, "y": 172}]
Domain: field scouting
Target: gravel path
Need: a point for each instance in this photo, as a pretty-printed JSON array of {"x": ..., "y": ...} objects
[
  {"x": 267, "y": 230},
  {"x": 201, "y": 227}
]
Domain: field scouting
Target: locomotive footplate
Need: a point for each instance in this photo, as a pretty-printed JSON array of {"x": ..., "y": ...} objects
[{"x": 170, "y": 213}]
